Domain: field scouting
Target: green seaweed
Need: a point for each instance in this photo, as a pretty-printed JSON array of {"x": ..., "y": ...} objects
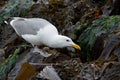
[
  {"x": 15, "y": 8},
  {"x": 103, "y": 25},
  {"x": 7, "y": 65}
]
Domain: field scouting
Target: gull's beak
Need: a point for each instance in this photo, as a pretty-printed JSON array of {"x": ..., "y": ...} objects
[{"x": 76, "y": 46}]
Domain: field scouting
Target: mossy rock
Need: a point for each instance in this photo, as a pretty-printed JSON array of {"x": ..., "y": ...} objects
[
  {"x": 15, "y": 8},
  {"x": 91, "y": 32}
]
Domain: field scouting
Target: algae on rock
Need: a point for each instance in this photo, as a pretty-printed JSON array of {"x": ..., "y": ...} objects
[
  {"x": 6, "y": 65},
  {"x": 100, "y": 26},
  {"x": 15, "y": 8}
]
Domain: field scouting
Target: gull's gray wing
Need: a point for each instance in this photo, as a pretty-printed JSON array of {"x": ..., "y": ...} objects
[{"x": 28, "y": 26}]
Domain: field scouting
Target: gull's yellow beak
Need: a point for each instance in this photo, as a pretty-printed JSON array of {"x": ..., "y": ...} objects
[{"x": 76, "y": 46}]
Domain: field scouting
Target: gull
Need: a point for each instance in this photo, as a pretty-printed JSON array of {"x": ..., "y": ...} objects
[{"x": 38, "y": 31}]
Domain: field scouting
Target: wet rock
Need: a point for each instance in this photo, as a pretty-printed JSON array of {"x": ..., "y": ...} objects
[
  {"x": 97, "y": 33},
  {"x": 14, "y": 8},
  {"x": 7, "y": 65},
  {"x": 111, "y": 47},
  {"x": 66, "y": 15},
  {"x": 65, "y": 18},
  {"x": 26, "y": 56},
  {"x": 2, "y": 55},
  {"x": 26, "y": 72},
  {"x": 112, "y": 74},
  {"x": 36, "y": 60}
]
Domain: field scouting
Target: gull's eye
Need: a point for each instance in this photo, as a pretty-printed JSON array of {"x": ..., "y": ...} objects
[{"x": 67, "y": 40}]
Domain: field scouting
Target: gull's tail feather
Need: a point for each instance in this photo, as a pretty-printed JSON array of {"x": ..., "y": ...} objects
[{"x": 7, "y": 20}]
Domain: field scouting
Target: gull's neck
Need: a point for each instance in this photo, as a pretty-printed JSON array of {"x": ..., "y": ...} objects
[{"x": 54, "y": 41}]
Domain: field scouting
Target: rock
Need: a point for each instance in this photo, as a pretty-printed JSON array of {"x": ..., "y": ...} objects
[
  {"x": 2, "y": 55},
  {"x": 25, "y": 57},
  {"x": 95, "y": 37}
]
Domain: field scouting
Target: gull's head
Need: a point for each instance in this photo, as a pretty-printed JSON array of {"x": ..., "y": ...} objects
[{"x": 64, "y": 41}]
